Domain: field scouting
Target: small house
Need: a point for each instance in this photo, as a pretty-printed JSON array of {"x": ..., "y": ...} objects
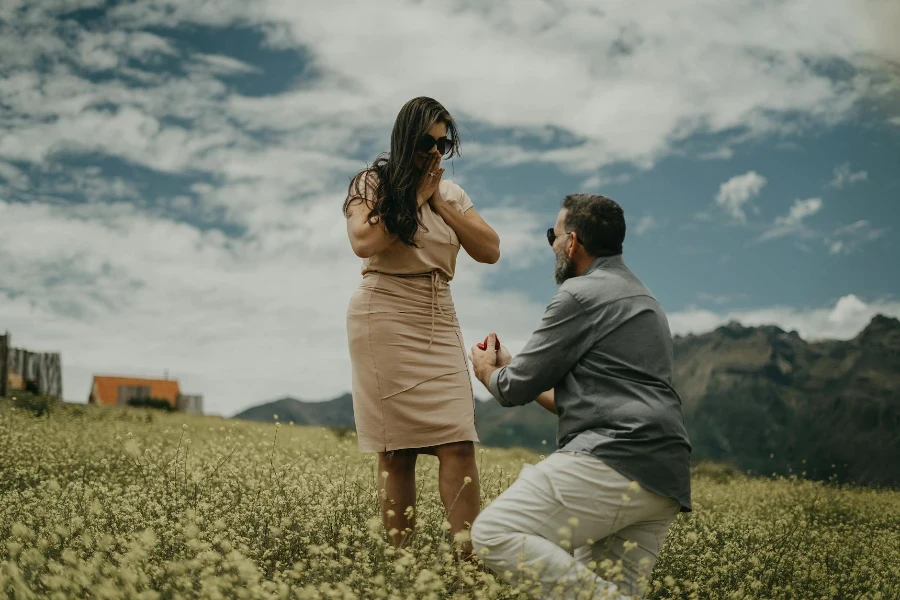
[{"x": 122, "y": 391}]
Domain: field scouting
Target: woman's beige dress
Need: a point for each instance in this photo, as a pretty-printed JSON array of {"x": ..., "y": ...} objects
[{"x": 411, "y": 385}]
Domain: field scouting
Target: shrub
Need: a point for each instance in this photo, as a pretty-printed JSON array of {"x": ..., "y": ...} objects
[
  {"x": 342, "y": 432},
  {"x": 716, "y": 471},
  {"x": 36, "y": 404},
  {"x": 156, "y": 403}
]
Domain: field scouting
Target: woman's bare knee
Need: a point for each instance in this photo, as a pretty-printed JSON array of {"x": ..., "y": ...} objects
[
  {"x": 397, "y": 461},
  {"x": 456, "y": 452}
]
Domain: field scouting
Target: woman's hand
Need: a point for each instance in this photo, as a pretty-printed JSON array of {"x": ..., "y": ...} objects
[
  {"x": 430, "y": 181},
  {"x": 474, "y": 234}
]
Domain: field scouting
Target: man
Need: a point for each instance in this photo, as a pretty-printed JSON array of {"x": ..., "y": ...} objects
[{"x": 602, "y": 361}]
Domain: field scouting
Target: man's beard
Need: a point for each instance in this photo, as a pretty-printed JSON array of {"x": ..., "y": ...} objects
[{"x": 565, "y": 268}]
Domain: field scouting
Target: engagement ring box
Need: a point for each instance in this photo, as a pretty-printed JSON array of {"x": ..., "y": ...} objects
[{"x": 483, "y": 345}]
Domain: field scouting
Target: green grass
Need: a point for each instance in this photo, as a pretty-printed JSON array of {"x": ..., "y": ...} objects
[{"x": 133, "y": 503}]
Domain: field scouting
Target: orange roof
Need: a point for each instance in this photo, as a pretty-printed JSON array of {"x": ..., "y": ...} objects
[{"x": 106, "y": 389}]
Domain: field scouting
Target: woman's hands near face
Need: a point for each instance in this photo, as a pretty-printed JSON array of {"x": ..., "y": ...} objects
[{"x": 431, "y": 178}]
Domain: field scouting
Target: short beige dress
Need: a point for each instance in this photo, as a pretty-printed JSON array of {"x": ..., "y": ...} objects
[{"x": 411, "y": 385}]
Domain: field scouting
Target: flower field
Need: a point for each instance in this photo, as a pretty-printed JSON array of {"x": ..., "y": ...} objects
[{"x": 132, "y": 503}]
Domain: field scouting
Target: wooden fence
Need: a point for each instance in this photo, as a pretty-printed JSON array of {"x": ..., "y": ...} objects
[
  {"x": 4, "y": 367},
  {"x": 40, "y": 371}
]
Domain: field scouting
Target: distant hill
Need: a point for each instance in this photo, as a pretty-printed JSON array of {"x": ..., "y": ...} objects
[
  {"x": 758, "y": 397},
  {"x": 332, "y": 413},
  {"x": 753, "y": 392},
  {"x": 527, "y": 426}
]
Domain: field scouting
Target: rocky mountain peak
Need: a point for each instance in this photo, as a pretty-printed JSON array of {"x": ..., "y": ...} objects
[{"x": 881, "y": 325}]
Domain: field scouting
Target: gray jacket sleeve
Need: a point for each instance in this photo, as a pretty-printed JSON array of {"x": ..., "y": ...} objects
[{"x": 564, "y": 336}]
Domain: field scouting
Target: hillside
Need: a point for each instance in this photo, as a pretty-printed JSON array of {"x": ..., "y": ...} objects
[
  {"x": 758, "y": 397},
  {"x": 753, "y": 392},
  {"x": 333, "y": 413},
  {"x": 526, "y": 427}
]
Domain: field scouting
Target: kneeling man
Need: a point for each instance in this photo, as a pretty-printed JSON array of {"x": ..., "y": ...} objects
[{"x": 602, "y": 361}]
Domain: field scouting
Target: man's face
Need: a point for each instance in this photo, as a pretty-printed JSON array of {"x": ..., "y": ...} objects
[{"x": 565, "y": 266}]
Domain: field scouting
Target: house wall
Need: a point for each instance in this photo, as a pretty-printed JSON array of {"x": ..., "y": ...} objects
[
  {"x": 190, "y": 403},
  {"x": 114, "y": 390},
  {"x": 126, "y": 393}
]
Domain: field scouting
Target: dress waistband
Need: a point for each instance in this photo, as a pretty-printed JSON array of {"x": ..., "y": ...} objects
[{"x": 438, "y": 280}]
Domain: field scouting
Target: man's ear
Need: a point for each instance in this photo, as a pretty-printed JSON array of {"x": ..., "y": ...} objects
[{"x": 573, "y": 242}]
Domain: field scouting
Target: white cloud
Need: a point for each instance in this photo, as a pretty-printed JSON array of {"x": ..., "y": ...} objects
[
  {"x": 675, "y": 72},
  {"x": 595, "y": 183},
  {"x": 633, "y": 66},
  {"x": 225, "y": 65},
  {"x": 645, "y": 224},
  {"x": 844, "y": 320},
  {"x": 721, "y": 153},
  {"x": 793, "y": 221},
  {"x": 720, "y": 299},
  {"x": 500, "y": 155},
  {"x": 523, "y": 241},
  {"x": 844, "y": 175},
  {"x": 847, "y": 239},
  {"x": 799, "y": 211},
  {"x": 118, "y": 286},
  {"x": 119, "y": 291},
  {"x": 737, "y": 191},
  {"x": 111, "y": 49},
  {"x": 13, "y": 176}
]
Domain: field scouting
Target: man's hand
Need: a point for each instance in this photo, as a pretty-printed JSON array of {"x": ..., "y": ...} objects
[
  {"x": 503, "y": 357},
  {"x": 485, "y": 362}
]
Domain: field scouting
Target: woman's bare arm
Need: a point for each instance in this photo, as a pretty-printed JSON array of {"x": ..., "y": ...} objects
[
  {"x": 478, "y": 238},
  {"x": 367, "y": 238}
]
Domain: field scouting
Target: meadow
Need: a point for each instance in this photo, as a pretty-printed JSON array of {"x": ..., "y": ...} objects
[{"x": 135, "y": 503}]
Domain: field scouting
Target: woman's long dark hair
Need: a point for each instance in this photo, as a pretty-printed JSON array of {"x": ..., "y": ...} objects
[{"x": 394, "y": 198}]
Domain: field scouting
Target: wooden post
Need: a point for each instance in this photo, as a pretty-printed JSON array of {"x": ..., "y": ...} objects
[{"x": 4, "y": 365}]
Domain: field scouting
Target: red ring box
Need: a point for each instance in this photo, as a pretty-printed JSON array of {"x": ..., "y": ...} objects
[{"x": 483, "y": 345}]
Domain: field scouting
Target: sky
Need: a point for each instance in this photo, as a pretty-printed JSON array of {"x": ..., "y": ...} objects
[{"x": 172, "y": 173}]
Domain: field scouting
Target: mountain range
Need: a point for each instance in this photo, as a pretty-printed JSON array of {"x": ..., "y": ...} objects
[{"x": 760, "y": 398}]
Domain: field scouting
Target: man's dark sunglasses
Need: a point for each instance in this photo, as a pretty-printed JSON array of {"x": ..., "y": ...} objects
[
  {"x": 426, "y": 143},
  {"x": 552, "y": 235}
]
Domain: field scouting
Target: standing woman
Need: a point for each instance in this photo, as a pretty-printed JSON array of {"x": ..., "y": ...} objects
[{"x": 411, "y": 388}]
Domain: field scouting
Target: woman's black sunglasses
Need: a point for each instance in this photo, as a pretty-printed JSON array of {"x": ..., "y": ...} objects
[
  {"x": 426, "y": 143},
  {"x": 552, "y": 235}
]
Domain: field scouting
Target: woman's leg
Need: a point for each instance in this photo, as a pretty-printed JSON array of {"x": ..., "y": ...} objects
[
  {"x": 397, "y": 493},
  {"x": 461, "y": 498}
]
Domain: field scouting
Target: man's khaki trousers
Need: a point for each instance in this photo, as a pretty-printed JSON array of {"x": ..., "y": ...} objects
[{"x": 572, "y": 503}]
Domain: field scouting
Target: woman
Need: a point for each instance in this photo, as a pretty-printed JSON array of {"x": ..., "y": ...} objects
[{"x": 411, "y": 388}]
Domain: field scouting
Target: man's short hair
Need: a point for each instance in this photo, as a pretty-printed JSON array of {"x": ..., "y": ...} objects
[{"x": 598, "y": 221}]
